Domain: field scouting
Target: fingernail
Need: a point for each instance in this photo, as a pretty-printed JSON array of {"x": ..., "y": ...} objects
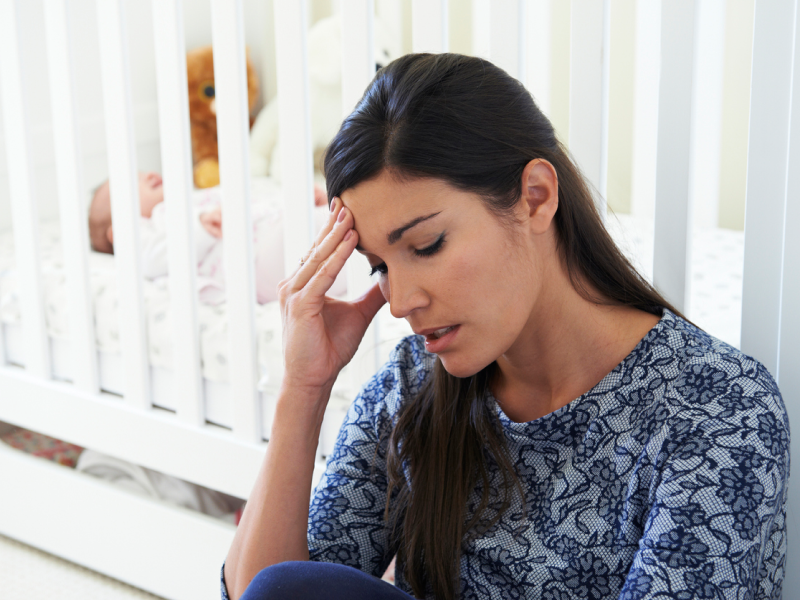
[
  {"x": 342, "y": 214},
  {"x": 348, "y": 235},
  {"x": 333, "y": 204}
]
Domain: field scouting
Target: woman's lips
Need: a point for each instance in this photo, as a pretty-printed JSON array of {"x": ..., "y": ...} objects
[{"x": 436, "y": 343}]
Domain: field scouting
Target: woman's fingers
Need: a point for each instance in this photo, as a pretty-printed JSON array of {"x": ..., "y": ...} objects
[
  {"x": 327, "y": 270},
  {"x": 338, "y": 227}
]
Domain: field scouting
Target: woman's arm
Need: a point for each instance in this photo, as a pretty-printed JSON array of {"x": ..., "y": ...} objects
[
  {"x": 273, "y": 526},
  {"x": 717, "y": 527},
  {"x": 320, "y": 336}
]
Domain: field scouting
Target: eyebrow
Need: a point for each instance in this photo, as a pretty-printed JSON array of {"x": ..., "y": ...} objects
[{"x": 395, "y": 235}]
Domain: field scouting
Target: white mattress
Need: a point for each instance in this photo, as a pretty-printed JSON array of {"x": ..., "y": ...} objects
[{"x": 715, "y": 305}]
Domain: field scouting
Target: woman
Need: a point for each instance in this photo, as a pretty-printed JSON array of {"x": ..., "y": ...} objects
[{"x": 555, "y": 430}]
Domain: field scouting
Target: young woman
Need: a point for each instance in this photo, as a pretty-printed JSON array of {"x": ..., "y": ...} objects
[{"x": 554, "y": 430}]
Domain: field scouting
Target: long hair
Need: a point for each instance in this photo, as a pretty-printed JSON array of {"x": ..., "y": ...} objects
[{"x": 464, "y": 121}]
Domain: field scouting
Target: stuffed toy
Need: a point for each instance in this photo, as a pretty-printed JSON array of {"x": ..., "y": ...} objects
[
  {"x": 203, "y": 114},
  {"x": 325, "y": 85}
]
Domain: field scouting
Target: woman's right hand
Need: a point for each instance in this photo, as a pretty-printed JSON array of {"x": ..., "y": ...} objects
[{"x": 321, "y": 334}]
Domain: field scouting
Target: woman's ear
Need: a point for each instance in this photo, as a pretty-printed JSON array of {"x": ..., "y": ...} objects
[
  {"x": 110, "y": 235},
  {"x": 540, "y": 193}
]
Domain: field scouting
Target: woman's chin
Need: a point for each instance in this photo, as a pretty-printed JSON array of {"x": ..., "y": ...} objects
[{"x": 459, "y": 368}]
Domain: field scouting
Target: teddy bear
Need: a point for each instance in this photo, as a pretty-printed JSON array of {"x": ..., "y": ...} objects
[
  {"x": 325, "y": 86},
  {"x": 203, "y": 114}
]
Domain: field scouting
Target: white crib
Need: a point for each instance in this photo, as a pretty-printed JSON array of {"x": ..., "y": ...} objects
[{"x": 177, "y": 553}]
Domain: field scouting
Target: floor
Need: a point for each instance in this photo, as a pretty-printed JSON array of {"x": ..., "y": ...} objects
[{"x": 32, "y": 574}]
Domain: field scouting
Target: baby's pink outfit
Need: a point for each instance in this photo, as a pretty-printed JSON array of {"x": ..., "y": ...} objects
[{"x": 267, "y": 216}]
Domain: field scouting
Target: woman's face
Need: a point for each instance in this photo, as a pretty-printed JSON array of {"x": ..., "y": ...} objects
[{"x": 460, "y": 276}]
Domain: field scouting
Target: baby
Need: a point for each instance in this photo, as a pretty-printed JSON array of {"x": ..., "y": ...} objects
[{"x": 267, "y": 218}]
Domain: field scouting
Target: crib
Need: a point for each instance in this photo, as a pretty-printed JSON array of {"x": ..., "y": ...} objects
[{"x": 174, "y": 419}]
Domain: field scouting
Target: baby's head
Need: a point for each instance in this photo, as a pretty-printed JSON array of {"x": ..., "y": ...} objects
[{"x": 101, "y": 234}]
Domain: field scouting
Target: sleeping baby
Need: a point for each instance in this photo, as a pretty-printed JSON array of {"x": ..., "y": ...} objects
[{"x": 267, "y": 218}]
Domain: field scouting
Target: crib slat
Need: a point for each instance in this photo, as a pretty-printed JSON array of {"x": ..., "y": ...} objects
[
  {"x": 768, "y": 147},
  {"x": 358, "y": 56},
  {"x": 74, "y": 229},
  {"x": 538, "y": 39},
  {"x": 429, "y": 30},
  {"x": 507, "y": 36},
  {"x": 481, "y": 28},
  {"x": 294, "y": 129},
  {"x": 176, "y": 159},
  {"x": 645, "y": 110},
  {"x": 125, "y": 209},
  {"x": 789, "y": 360},
  {"x": 230, "y": 82},
  {"x": 788, "y": 373},
  {"x": 671, "y": 244},
  {"x": 588, "y": 81},
  {"x": 358, "y": 69},
  {"x": 24, "y": 212}
]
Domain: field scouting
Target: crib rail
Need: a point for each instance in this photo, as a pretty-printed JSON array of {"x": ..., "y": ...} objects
[
  {"x": 177, "y": 162},
  {"x": 673, "y": 192},
  {"x": 124, "y": 186},
  {"x": 513, "y": 33},
  {"x": 22, "y": 186},
  {"x": 233, "y": 122},
  {"x": 69, "y": 165},
  {"x": 588, "y": 79}
]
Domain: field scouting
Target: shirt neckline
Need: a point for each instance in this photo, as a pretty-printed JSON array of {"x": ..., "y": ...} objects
[{"x": 667, "y": 321}]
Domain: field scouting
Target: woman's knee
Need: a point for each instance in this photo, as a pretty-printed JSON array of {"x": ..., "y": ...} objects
[{"x": 311, "y": 580}]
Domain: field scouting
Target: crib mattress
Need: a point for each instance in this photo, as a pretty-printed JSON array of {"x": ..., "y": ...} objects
[{"x": 715, "y": 305}]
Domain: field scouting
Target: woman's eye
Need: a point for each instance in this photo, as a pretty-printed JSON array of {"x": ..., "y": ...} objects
[
  {"x": 432, "y": 249},
  {"x": 381, "y": 268}
]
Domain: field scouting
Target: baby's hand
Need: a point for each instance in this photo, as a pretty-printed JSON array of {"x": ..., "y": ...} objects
[{"x": 212, "y": 221}]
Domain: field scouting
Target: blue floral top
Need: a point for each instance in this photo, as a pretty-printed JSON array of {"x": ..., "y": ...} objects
[{"x": 667, "y": 480}]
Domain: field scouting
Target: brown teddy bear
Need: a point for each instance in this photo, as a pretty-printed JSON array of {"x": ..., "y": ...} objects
[{"x": 203, "y": 114}]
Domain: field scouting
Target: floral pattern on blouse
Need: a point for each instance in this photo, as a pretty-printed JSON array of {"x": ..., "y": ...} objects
[{"x": 668, "y": 479}]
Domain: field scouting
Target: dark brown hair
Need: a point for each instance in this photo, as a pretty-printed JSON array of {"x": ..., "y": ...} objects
[{"x": 465, "y": 121}]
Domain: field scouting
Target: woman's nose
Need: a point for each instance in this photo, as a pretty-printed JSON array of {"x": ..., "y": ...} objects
[{"x": 404, "y": 296}]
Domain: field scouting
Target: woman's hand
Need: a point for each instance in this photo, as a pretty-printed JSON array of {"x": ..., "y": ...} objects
[
  {"x": 321, "y": 334},
  {"x": 212, "y": 221}
]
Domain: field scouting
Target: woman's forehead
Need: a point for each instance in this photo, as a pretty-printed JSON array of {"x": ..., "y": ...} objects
[{"x": 391, "y": 197}]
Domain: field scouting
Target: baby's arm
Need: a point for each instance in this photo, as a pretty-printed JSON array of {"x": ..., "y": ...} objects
[
  {"x": 211, "y": 221},
  {"x": 153, "y": 244}
]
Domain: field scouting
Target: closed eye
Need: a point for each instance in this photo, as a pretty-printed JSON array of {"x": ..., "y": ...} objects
[{"x": 422, "y": 252}]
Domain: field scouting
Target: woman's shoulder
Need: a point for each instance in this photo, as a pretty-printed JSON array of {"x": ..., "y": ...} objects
[{"x": 710, "y": 374}]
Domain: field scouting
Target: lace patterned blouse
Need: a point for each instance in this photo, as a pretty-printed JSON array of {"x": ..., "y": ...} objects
[{"x": 667, "y": 480}]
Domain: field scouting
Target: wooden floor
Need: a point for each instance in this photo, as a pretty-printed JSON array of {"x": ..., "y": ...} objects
[{"x": 29, "y": 573}]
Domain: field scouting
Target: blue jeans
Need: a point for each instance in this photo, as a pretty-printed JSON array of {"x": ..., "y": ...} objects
[{"x": 309, "y": 580}]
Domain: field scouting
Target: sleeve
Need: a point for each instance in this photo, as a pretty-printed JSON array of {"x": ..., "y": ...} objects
[
  {"x": 345, "y": 520},
  {"x": 203, "y": 241},
  {"x": 153, "y": 243},
  {"x": 717, "y": 523}
]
